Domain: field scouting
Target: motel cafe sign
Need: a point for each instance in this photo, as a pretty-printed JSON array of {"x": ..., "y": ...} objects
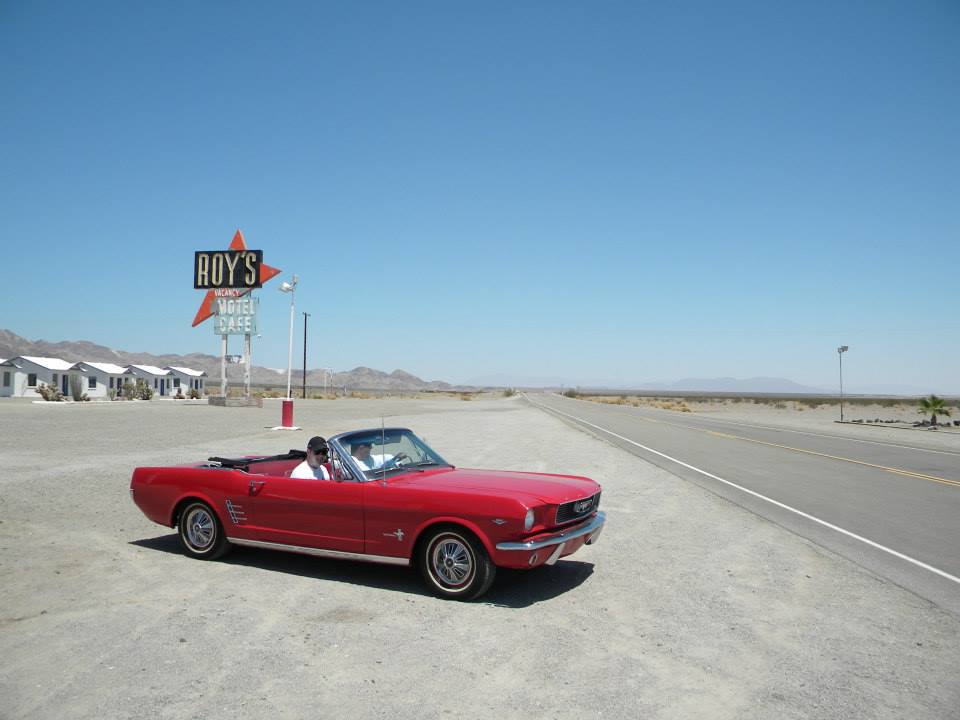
[{"x": 235, "y": 314}]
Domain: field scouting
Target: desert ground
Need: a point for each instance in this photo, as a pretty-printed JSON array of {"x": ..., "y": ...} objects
[{"x": 688, "y": 606}]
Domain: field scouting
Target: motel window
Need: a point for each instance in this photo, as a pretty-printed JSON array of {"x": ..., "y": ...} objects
[
  {"x": 176, "y": 382},
  {"x": 111, "y": 383},
  {"x": 91, "y": 383},
  {"x": 155, "y": 383},
  {"x": 31, "y": 380},
  {"x": 6, "y": 379}
]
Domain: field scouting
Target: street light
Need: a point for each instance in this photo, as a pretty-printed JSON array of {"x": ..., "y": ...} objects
[
  {"x": 840, "y": 351},
  {"x": 304, "y": 392},
  {"x": 290, "y": 287}
]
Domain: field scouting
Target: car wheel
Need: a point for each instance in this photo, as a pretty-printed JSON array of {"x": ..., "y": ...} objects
[
  {"x": 455, "y": 564},
  {"x": 201, "y": 534}
]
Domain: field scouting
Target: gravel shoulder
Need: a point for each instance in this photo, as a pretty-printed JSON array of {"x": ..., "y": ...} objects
[{"x": 689, "y": 606}]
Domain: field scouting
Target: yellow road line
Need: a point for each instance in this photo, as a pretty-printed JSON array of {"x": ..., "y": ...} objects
[{"x": 896, "y": 471}]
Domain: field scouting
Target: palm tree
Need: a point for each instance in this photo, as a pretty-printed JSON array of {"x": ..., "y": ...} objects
[{"x": 933, "y": 405}]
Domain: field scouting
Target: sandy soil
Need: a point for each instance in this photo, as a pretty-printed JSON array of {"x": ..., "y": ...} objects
[{"x": 687, "y": 607}]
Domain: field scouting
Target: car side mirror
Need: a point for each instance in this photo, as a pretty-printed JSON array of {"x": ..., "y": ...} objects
[{"x": 340, "y": 471}]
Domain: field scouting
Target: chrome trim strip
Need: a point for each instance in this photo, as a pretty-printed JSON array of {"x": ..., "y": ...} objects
[
  {"x": 318, "y": 552},
  {"x": 560, "y": 537}
]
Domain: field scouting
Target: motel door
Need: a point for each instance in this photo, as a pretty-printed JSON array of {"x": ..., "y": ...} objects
[
  {"x": 65, "y": 382},
  {"x": 162, "y": 386}
]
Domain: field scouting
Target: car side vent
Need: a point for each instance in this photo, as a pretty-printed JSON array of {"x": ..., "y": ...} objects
[{"x": 577, "y": 509}]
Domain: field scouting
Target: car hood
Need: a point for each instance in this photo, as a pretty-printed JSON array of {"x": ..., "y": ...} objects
[{"x": 521, "y": 485}]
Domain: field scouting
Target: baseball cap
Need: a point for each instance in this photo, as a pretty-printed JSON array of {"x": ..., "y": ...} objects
[{"x": 316, "y": 444}]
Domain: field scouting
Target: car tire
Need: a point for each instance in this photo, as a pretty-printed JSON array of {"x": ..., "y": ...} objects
[
  {"x": 200, "y": 531},
  {"x": 455, "y": 565}
]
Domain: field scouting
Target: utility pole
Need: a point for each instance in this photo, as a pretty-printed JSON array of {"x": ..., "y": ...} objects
[
  {"x": 840, "y": 351},
  {"x": 305, "y": 316}
]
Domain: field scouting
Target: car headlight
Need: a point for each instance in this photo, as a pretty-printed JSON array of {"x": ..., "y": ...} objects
[{"x": 528, "y": 520}]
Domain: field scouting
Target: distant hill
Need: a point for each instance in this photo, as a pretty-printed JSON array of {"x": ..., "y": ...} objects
[
  {"x": 360, "y": 378},
  {"x": 745, "y": 385}
]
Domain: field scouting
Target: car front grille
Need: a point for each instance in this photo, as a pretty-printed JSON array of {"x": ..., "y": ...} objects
[{"x": 577, "y": 509}]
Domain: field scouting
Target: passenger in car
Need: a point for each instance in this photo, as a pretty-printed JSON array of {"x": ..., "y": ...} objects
[{"x": 314, "y": 467}]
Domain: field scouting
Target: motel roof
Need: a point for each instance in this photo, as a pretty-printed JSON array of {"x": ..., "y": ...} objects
[
  {"x": 187, "y": 371},
  {"x": 151, "y": 369},
  {"x": 108, "y": 368},
  {"x": 48, "y": 363}
]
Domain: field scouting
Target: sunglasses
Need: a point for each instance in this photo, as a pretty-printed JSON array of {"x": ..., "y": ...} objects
[{"x": 321, "y": 451}]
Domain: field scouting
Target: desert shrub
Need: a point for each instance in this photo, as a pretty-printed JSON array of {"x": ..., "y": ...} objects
[
  {"x": 466, "y": 396},
  {"x": 76, "y": 389},
  {"x": 112, "y": 393},
  {"x": 194, "y": 394},
  {"x": 129, "y": 390},
  {"x": 571, "y": 393},
  {"x": 50, "y": 393},
  {"x": 509, "y": 392},
  {"x": 141, "y": 390},
  {"x": 179, "y": 395}
]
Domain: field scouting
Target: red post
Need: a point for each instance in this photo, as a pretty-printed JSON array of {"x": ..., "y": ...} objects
[{"x": 286, "y": 413}]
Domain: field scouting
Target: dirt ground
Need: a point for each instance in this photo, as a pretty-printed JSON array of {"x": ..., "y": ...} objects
[{"x": 687, "y": 607}]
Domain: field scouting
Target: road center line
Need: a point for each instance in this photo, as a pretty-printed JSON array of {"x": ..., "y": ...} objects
[
  {"x": 897, "y": 471},
  {"x": 840, "y": 458},
  {"x": 779, "y": 504}
]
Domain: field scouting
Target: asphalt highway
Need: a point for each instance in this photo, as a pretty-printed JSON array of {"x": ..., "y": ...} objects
[{"x": 891, "y": 507}]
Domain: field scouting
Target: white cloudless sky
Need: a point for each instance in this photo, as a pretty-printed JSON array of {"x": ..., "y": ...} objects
[{"x": 598, "y": 192}]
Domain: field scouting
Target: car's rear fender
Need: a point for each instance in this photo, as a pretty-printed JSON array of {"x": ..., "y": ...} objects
[{"x": 187, "y": 498}]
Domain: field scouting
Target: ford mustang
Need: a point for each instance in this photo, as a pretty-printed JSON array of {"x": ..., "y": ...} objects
[{"x": 390, "y": 499}]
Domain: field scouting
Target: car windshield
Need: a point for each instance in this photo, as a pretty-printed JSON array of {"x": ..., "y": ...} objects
[{"x": 391, "y": 451}]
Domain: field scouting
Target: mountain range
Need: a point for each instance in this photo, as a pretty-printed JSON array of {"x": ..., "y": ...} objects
[
  {"x": 365, "y": 378},
  {"x": 360, "y": 378}
]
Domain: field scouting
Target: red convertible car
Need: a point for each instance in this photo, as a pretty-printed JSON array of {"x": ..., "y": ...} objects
[{"x": 390, "y": 499}]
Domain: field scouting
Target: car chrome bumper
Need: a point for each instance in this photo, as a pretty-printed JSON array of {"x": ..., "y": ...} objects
[{"x": 591, "y": 528}]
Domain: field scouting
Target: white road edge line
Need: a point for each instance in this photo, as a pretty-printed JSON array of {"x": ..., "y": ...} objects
[{"x": 779, "y": 504}]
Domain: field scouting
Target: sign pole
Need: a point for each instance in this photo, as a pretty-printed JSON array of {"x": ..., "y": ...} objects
[
  {"x": 223, "y": 365},
  {"x": 246, "y": 365}
]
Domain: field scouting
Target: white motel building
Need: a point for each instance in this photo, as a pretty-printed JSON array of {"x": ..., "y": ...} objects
[{"x": 22, "y": 375}]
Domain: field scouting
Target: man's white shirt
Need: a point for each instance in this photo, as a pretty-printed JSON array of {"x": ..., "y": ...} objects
[
  {"x": 376, "y": 461},
  {"x": 303, "y": 471}
]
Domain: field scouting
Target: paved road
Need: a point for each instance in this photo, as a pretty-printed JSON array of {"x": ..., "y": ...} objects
[{"x": 892, "y": 507}]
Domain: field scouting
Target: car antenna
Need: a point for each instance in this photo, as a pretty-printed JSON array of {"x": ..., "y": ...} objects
[{"x": 383, "y": 442}]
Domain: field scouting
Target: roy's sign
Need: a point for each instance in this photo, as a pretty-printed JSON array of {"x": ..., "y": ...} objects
[
  {"x": 235, "y": 316},
  {"x": 214, "y": 269}
]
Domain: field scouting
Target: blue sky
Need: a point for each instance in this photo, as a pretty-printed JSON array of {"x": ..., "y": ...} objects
[{"x": 599, "y": 192}]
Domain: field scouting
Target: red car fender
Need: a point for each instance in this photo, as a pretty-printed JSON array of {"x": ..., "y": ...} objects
[
  {"x": 453, "y": 520},
  {"x": 193, "y": 495}
]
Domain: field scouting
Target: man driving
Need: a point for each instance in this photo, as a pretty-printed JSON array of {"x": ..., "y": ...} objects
[
  {"x": 361, "y": 451},
  {"x": 314, "y": 467}
]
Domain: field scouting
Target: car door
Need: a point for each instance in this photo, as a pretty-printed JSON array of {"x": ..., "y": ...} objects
[{"x": 309, "y": 513}]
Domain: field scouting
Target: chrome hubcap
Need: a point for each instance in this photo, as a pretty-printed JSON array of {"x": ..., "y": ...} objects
[
  {"x": 452, "y": 561},
  {"x": 200, "y": 528}
]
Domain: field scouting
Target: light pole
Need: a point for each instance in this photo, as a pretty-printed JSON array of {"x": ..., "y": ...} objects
[
  {"x": 305, "y": 316},
  {"x": 840, "y": 351},
  {"x": 290, "y": 287}
]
